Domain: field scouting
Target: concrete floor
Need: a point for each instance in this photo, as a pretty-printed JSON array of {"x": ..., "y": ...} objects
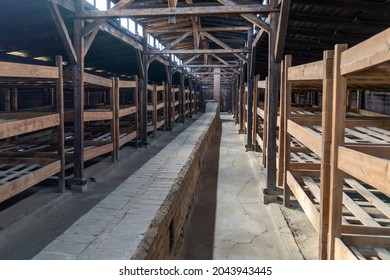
[{"x": 229, "y": 219}]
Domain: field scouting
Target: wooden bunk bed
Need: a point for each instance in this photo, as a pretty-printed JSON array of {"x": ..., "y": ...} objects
[
  {"x": 355, "y": 215},
  {"x": 157, "y": 107},
  {"x": 21, "y": 170},
  {"x": 366, "y": 65},
  {"x": 175, "y": 104}
]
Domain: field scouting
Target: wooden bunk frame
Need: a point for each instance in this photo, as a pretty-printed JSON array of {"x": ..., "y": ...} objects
[
  {"x": 20, "y": 170},
  {"x": 352, "y": 218}
]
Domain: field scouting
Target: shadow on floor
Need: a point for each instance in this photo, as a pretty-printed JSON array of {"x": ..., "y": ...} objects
[{"x": 199, "y": 235}]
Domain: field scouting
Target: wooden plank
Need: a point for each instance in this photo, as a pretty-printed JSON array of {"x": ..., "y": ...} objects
[
  {"x": 19, "y": 127},
  {"x": 127, "y": 84},
  {"x": 127, "y": 138},
  {"x": 281, "y": 124},
  {"x": 342, "y": 252},
  {"x": 365, "y": 230},
  {"x": 261, "y": 84},
  {"x": 326, "y": 141},
  {"x": 282, "y": 29},
  {"x": 19, "y": 70},
  {"x": 125, "y": 111},
  {"x": 93, "y": 152},
  {"x": 367, "y": 54},
  {"x": 367, "y": 240},
  {"x": 336, "y": 175},
  {"x": 364, "y": 136},
  {"x": 306, "y": 136},
  {"x": 96, "y": 80},
  {"x": 371, "y": 170},
  {"x": 17, "y": 186},
  {"x": 305, "y": 202},
  {"x": 309, "y": 71}
]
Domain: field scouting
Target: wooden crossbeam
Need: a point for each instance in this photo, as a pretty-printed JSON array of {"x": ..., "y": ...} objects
[
  {"x": 200, "y": 29},
  {"x": 187, "y": 11},
  {"x": 201, "y": 51},
  {"x": 282, "y": 29}
]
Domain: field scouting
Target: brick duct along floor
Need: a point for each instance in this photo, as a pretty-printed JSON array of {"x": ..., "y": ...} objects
[{"x": 144, "y": 216}]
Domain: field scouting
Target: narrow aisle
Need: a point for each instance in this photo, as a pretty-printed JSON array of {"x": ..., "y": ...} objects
[{"x": 229, "y": 219}]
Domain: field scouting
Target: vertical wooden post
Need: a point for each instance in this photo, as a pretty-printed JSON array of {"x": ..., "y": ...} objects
[
  {"x": 136, "y": 103},
  {"x": 250, "y": 129},
  {"x": 190, "y": 97},
  {"x": 286, "y": 136},
  {"x": 265, "y": 123},
  {"x": 282, "y": 131},
  {"x": 115, "y": 101},
  {"x": 255, "y": 104},
  {"x": 173, "y": 105},
  {"x": 15, "y": 99},
  {"x": 168, "y": 73},
  {"x": 164, "y": 99},
  {"x": 327, "y": 85},
  {"x": 154, "y": 114},
  {"x": 7, "y": 100},
  {"x": 79, "y": 182},
  {"x": 60, "y": 128},
  {"x": 181, "y": 97},
  {"x": 144, "y": 104},
  {"x": 273, "y": 92},
  {"x": 338, "y": 126},
  {"x": 241, "y": 100}
]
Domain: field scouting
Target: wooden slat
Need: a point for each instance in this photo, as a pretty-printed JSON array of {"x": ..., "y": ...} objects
[
  {"x": 96, "y": 80},
  {"x": 127, "y": 84},
  {"x": 342, "y": 252},
  {"x": 97, "y": 151},
  {"x": 309, "y": 71},
  {"x": 372, "y": 170},
  {"x": 17, "y": 186},
  {"x": 305, "y": 202},
  {"x": 306, "y": 136},
  {"x": 19, "y": 127},
  {"x": 18, "y": 70},
  {"x": 365, "y": 230},
  {"x": 369, "y": 53},
  {"x": 367, "y": 240}
]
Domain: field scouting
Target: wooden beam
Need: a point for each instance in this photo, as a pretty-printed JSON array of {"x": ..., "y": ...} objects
[
  {"x": 170, "y": 45},
  {"x": 187, "y": 11},
  {"x": 282, "y": 29},
  {"x": 327, "y": 97},
  {"x": 336, "y": 175},
  {"x": 200, "y": 29},
  {"x": 172, "y": 3},
  {"x": 200, "y": 51},
  {"x": 62, "y": 31},
  {"x": 60, "y": 127},
  {"x": 92, "y": 27},
  {"x": 252, "y": 18}
]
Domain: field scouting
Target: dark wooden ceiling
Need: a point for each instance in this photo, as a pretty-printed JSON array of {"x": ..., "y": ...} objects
[{"x": 313, "y": 26}]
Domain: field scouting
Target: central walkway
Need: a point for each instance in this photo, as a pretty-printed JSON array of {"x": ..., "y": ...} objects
[{"x": 229, "y": 219}]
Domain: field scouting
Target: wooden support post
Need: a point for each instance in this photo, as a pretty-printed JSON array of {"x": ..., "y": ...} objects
[
  {"x": 282, "y": 129},
  {"x": 115, "y": 116},
  {"x": 190, "y": 96},
  {"x": 60, "y": 128},
  {"x": 173, "y": 106},
  {"x": 79, "y": 182},
  {"x": 136, "y": 103},
  {"x": 286, "y": 93},
  {"x": 7, "y": 99},
  {"x": 144, "y": 95},
  {"x": 255, "y": 104},
  {"x": 273, "y": 92},
  {"x": 338, "y": 126},
  {"x": 241, "y": 101},
  {"x": 249, "y": 144},
  {"x": 236, "y": 101},
  {"x": 15, "y": 99},
  {"x": 164, "y": 97},
  {"x": 168, "y": 73},
  {"x": 181, "y": 97},
  {"x": 154, "y": 114},
  {"x": 265, "y": 124},
  {"x": 327, "y": 85}
]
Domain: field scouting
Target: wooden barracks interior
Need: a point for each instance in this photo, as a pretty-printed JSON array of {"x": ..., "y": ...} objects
[{"x": 306, "y": 82}]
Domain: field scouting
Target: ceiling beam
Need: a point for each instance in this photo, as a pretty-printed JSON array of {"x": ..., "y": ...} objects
[
  {"x": 62, "y": 31},
  {"x": 200, "y": 29},
  {"x": 252, "y": 18},
  {"x": 282, "y": 29},
  {"x": 208, "y": 66},
  {"x": 187, "y": 11},
  {"x": 90, "y": 28},
  {"x": 201, "y": 51}
]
